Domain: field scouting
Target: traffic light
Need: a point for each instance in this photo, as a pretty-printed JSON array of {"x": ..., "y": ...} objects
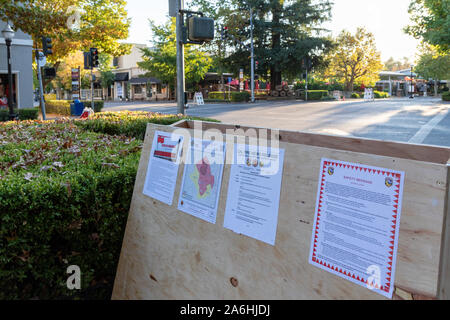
[
  {"x": 47, "y": 46},
  {"x": 94, "y": 58},
  {"x": 87, "y": 60},
  {"x": 256, "y": 65},
  {"x": 200, "y": 29},
  {"x": 224, "y": 33}
]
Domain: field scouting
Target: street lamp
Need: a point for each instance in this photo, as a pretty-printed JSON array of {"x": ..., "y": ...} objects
[
  {"x": 8, "y": 34},
  {"x": 411, "y": 87}
]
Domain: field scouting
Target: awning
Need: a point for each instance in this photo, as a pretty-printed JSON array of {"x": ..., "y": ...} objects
[
  {"x": 144, "y": 80},
  {"x": 122, "y": 76}
]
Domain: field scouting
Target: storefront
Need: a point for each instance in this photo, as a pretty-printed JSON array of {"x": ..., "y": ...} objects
[
  {"x": 4, "y": 90},
  {"x": 21, "y": 68}
]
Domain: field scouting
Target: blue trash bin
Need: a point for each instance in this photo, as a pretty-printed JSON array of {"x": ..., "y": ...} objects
[{"x": 78, "y": 108}]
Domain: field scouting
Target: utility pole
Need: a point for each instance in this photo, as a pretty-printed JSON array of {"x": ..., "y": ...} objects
[
  {"x": 39, "y": 58},
  {"x": 180, "y": 59},
  {"x": 253, "y": 56}
]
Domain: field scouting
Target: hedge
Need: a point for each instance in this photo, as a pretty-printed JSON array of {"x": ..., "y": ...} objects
[
  {"x": 65, "y": 193},
  {"x": 355, "y": 95},
  {"x": 314, "y": 95},
  {"x": 62, "y": 107},
  {"x": 24, "y": 114},
  {"x": 235, "y": 96},
  {"x": 380, "y": 94},
  {"x": 446, "y": 96},
  {"x": 64, "y": 200},
  {"x": 131, "y": 124}
]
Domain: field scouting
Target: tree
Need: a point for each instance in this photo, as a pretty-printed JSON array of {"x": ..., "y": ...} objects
[
  {"x": 161, "y": 61},
  {"x": 101, "y": 23},
  {"x": 63, "y": 78},
  {"x": 394, "y": 65},
  {"x": 355, "y": 60},
  {"x": 431, "y": 22},
  {"x": 433, "y": 64},
  {"x": 285, "y": 32},
  {"x": 105, "y": 68}
]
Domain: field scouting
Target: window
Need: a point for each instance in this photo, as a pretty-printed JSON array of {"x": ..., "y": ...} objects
[
  {"x": 115, "y": 62},
  {"x": 158, "y": 88},
  {"x": 137, "y": 89}
]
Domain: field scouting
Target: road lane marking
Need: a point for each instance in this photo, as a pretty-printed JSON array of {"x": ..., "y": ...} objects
[{"x": 423, "y": 133}]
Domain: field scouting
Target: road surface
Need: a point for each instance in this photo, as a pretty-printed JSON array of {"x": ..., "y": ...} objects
[{"x": 419, "y": 120}]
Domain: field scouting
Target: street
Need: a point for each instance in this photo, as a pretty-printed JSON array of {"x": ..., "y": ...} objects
[{"x": 420, "y": 120}]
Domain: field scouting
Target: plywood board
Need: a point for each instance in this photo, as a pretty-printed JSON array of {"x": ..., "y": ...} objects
[{"x": 167, "y": 254}]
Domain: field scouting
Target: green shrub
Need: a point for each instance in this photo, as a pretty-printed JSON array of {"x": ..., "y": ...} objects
[
  {"x": 24, "y": 114},
  {"x": 131, "y": 124},
  {"x": 62, "y": 107},
  {"x": 98, "y": 105},
  {"x": 355, "y": 95},
  {"x": 314, "y": 95},
  {"x": 64, "y": 200},
  {"x": 380, "y": 94},
  {"x": 235, "y": 96},
  {"x": 327, "y": 98},
  {"x": 446, "y": 96},
  {"x": 50, "y": 96}
]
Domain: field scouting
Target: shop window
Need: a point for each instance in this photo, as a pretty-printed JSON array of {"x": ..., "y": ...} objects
[
  {"x": 158, "y": 88},
  {"x": 137, "y": 89}
]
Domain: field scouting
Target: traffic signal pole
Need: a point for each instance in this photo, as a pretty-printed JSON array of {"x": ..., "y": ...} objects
[
  {"x": 180, "y": 59},
  {"x": 252, "y": 57}
]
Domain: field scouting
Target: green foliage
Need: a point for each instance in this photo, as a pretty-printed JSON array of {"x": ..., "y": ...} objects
[
  {"x": 161, "y": 62},
  {"x": 355, "y": 60},
  {"x": 431, "y": 22},
  {"x": 327, "y": 98},
  {"x": 380, "y": 95},
  {"x": 355, "y": 95},
  {"x": 315, "y": 84},
  {"x": 131, "y": 124},
  {"x": 24, "y": 114},
  {"x": 433, "y": 65},
  {"x": 62, "y": 107},
  {"x": 64, "y": 200},
  {"x": 235, "y": 96},
  {"x": 446, "y": 96},
  {"x": 314, "y": 95}
]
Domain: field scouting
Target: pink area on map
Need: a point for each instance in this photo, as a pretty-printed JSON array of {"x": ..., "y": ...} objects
[{"x": 205, "y": 177}]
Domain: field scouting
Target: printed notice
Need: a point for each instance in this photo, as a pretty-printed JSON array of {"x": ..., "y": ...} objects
[
  {"x": 254, "y": 192},
  {"x": 163, "y": 166},
  {"x": 357, "y": 222},
  {"x": 202, "y": 179}
]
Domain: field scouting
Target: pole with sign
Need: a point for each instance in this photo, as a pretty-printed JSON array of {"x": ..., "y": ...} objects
[{"x": 41, "y": 60}]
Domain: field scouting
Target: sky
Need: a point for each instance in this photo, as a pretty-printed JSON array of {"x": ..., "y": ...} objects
[{"x": 384, "y": 18}]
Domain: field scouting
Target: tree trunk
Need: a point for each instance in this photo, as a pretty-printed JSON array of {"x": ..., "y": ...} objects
[{"x": 275, "y": 74}]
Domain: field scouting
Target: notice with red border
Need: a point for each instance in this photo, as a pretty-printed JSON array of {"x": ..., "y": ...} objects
[
  {"x": 357, "y": 222},
  {"x": 162, "y": 170}
]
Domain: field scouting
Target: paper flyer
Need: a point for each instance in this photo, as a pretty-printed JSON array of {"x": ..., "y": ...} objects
[
  {"x": 202, "y": 179},
  {"x": 357, "y": 222},
  {"x": 163, "y": 166},
  {"x": 254, "y": 193}
]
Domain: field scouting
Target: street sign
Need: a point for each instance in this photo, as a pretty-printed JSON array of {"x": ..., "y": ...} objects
[
  {"x": 42, "y": 60},
  {"x": 173, "y": 8}
]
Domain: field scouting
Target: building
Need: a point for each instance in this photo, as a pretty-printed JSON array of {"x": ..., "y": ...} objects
[
  {"x": 130, "y": 82},
  {"x": 22, "y": 69}
]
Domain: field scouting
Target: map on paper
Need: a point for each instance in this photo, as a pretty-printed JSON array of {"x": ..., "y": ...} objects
[{"x": 202, "y": 180}]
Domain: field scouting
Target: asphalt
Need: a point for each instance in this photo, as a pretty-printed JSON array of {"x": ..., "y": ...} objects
[{"x": 420, "y": 120}]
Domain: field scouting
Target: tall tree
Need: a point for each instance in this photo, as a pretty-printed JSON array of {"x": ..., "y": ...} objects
[
  {"x": 161, "y": 60},
  {"x": 285, "y": 31},
  {"x": 99, "y": 23},
  {"x": 433, "y": 64},
  {"x": 395, "y": 65},
  {"x": 431, "y": 22},
  {"x": 356, "y": 59}
]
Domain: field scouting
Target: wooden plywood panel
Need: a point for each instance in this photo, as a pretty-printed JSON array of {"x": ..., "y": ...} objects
[{"x": 167, "y": 254}]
